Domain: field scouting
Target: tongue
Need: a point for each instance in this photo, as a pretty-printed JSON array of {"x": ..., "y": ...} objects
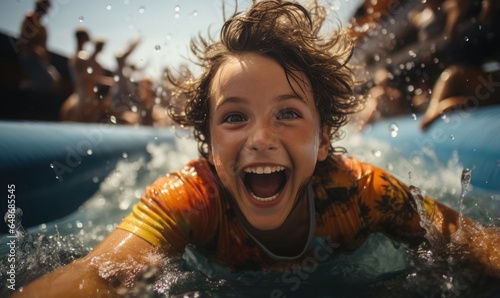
[{"x": 265, "y": 185}]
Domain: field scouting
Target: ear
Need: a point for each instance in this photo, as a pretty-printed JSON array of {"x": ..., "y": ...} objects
[
  {"x": 210, "y": 155},
  {"x": 324, "y": 143}
]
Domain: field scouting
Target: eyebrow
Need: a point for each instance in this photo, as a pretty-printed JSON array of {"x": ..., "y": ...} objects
[{"x": 283, "y": 97}]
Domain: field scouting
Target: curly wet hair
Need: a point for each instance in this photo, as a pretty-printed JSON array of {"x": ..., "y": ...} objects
[{"x": 290, "y": 34}]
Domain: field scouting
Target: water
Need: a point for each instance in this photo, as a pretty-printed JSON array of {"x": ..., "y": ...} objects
[{"x": 379, "y": 268}]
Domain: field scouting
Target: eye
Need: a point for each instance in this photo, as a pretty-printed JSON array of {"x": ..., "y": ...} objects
[
  {"x": 234, "y": 118},
  {"x": 288, "y": 114}
]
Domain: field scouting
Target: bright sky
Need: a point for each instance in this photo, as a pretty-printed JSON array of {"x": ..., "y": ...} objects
[{"x": 164, "y": 26}]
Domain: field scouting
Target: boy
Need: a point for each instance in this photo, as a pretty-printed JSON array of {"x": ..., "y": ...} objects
[{"x": 271, "y": 99}]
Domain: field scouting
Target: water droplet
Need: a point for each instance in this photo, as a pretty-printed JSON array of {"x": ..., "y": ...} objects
[
  {"x": 89, "y": 152},
  {"x": 412, "y": 53},
  {"x": 465, "y": 180},
  {"x": 177, "y": 8},
  {"x": 377, "y": 153},
  {"x": 466, "y": 38},
  {"x": 95, "y": 89},
  {"x": 51, "y": 166},
  {"x": 452, "y": 137},
  {"x": 124, "y": 155},
  {"x": 90, "y": 70},
  {"x": 393, "y": 129},
  {"x": 81, "y": 19},
  {"x": 195, "y": 13},
  {"x": 95, "y": 179},
  {"x": 414, "y": 116},
  {"x": 142, "y": 9},
  {"x": 116, "y": 78},
  {"x": 108, "y": 7},
  {"x": 112, "y": 119},
  {"x": 157, "y": 47},
  {"x": 169, "y": 36}
]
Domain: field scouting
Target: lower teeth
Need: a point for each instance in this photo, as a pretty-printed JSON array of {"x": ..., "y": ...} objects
[{"x": 264, "y": 199}]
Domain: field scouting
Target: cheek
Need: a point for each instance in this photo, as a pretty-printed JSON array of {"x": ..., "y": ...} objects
[
  {"x": 307, "y": 145},
  {"x": 224, "y": 164}
]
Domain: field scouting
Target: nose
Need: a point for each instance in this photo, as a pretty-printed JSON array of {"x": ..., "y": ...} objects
[{"x": 262, "y": 137}]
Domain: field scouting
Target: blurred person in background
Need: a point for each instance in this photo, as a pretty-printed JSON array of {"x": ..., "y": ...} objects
[{"x": 33, "y": 54}]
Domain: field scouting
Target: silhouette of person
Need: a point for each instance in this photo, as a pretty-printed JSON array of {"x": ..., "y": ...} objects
[
  {"x": 86, "y": 104},
  {"x": 34, "y": 57}
]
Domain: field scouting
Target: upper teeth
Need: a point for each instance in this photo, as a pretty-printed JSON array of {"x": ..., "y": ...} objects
[{"x": 264, "y": 170}]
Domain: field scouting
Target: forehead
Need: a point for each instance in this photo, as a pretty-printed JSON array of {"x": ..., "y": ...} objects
[{"x": 256, "y": 73}]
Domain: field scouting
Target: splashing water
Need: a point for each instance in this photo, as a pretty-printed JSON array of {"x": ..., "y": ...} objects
[
  {"x": 432, "y": 234},
  {"x": 465, "y": 182}
]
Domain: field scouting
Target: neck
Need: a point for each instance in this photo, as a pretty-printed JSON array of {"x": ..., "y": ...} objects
[{"x": 296, "y": 228}]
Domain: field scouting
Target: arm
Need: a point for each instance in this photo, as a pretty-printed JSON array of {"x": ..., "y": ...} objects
[
  {"x": 392, "y": 210},
  {"x": 479, "y": 245},
  {"x": 111, "y": 265}
]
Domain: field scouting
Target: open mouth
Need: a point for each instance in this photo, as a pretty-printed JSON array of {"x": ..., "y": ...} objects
[{"x": 265, "y": 183}]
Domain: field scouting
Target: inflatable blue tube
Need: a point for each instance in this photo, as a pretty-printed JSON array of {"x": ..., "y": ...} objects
[
  {"x": 55, "y": 167},
  {"x": 472, "y": 136}
]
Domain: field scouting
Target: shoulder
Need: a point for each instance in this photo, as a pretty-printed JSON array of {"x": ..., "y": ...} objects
[
  {"x": 342, "y": 170},
  {"x": 192, "y": 185},
  {"x": 343, "y": 174}
]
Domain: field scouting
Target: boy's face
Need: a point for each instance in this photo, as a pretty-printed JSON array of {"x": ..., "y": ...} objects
[{"x": 266, "y": 139}]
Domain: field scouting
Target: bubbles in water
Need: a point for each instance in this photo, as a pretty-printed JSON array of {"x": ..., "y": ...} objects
[
  {"x": 393, "y": 129},
  {"x": 80, "y": 19},
  {"x": 108, "y": 7},
  {"x": 414, "y": 116},
  {"x": 90, "y": 70},
  {"x": 89, "y": 152},
  {"x": 116, "y": 78},
  {"x": 412, "y": 53},
  {"x": 157, "y": 47},
  {"x": 95, "y": 179},
  {"x": 142, "y": 9},
  {"x": 124, "y": 155},
  {"x": 452, "y": 137}
]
